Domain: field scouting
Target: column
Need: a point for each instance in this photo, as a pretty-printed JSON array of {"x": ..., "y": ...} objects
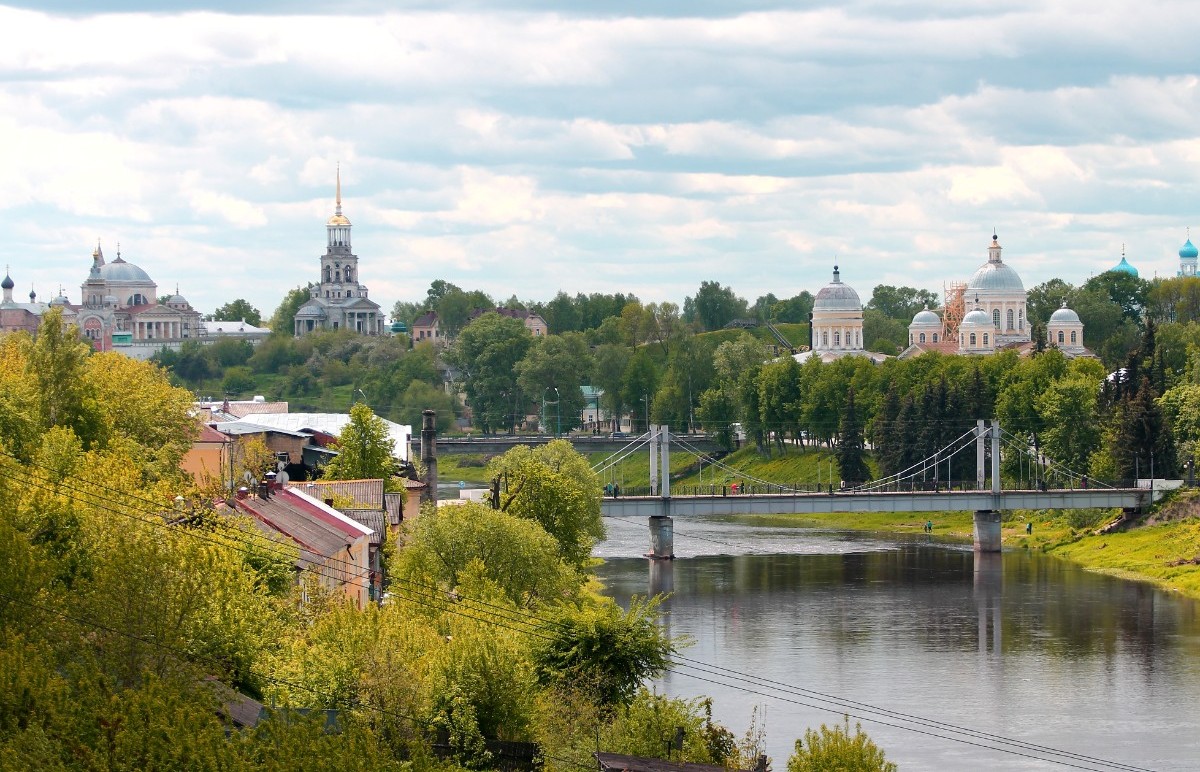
[{"x": 662, "y": 537}]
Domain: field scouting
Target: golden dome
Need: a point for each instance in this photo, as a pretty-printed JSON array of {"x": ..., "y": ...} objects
[{"x": 338, "y": 219}]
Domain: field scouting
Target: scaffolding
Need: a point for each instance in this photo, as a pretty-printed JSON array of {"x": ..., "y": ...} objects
[{"x": 956, "y": 308}]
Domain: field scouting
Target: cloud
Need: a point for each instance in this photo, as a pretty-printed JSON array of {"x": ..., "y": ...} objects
[{"x": 525, "y": 147}]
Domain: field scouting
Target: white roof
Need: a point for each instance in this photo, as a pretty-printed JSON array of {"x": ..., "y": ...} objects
[
  {"x": 332, "y": 423},
  {"x": 233, "y": 328}
]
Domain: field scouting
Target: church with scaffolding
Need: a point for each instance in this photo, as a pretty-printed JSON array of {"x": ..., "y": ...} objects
[{"x": 988, "y": 313}]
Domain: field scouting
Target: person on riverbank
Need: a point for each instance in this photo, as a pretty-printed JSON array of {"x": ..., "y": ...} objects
[
  {"x": 928, "y": 526},
  {"x": 1029, "y": 528}
]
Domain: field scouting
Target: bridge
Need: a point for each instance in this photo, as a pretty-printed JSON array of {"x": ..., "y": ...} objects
[
  {"x": 906, "y": 491},
  {"x": 496, "y": 444}
]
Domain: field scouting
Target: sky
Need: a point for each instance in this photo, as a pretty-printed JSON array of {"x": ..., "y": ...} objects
[{"x": 524, "y": 147}]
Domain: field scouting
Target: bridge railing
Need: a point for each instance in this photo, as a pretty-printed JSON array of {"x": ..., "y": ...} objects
[{"x": 908, "y": 486}]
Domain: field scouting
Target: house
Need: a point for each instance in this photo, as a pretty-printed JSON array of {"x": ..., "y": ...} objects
[
  {"x": 334, "y": 548},
  {"x": 426, "y": 329},
  {"x": 370, "y": 506},
  {"x": 209, "y": 454}
]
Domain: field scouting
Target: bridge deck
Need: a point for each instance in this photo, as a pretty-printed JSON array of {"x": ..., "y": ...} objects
[{"x": 914, "y": 501}]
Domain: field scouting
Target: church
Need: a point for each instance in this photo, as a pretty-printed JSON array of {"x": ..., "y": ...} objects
[
  {"x": 338, "y": 301},
  {"x": 988, "y": 313},
  {"x": 119, "y": 309}
]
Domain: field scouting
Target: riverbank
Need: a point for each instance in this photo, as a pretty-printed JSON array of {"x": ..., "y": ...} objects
[{"x": 1162, "y": 548}]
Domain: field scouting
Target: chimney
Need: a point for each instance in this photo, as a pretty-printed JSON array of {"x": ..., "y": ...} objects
[
  {"x": 272, "y": 481},
  {"x": 242, "y": 493},
  {"x": 429, "y": 454}
]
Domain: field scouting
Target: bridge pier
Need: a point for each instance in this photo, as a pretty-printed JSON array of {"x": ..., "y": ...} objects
[
  {"x": 662, "y": 538},
  {"x": 987, "y": 530}
]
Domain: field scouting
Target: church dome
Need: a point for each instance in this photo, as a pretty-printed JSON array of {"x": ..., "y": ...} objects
[
  {"x": 995, "y": 277},
  {"x": 1188, "y": 250},
  {"x": 119, "y": 270},
  {"x": 926, "y": 318},
  {"x": 977, "y": 318},
  {"x": 836, "y": 296},
  {"x": 339, "y": 219},
  {"x": 1065, "y": 315},
  {"x": 1125, "y": 267},
  {"x": 177, "y": 299},
  {"x": 8, "y": 283}
]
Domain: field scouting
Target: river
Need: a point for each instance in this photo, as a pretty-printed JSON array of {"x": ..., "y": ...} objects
[{"x": 1014, "y": 662}]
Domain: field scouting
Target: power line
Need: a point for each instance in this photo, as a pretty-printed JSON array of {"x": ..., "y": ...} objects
[{"x": 534, "y": 625}]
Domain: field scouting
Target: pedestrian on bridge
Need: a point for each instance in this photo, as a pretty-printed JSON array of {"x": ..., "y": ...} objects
[{"x": 617, "y": 491}]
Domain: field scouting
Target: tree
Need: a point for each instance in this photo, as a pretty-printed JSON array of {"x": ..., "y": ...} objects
[
  {"x": 834, "y": 748},
  {"x": 900, "y": 303},
  {"x": 239, "y": 310},
  {"x": 514, "y": 553},
  {"x": 717, "y": 306},
  {"x": 794, "y": 310},
  {"x": 283, "y": 321},
  {"x": 554, "y": 486},
  {"x": 882, "y": 333},
  {"x": 365, "y": 451},
  {"x": 1072, "y": 432},
  {"x": 1126, "y": 290},
  {"x": 555, "y": 367},
  {"x": 487, "y": 352},
  {"x": 1143, "y": 441},
  {"x": 603, "y": 651},
  {"x": 851, "y": 455},
  {"x": 1046, "y": 298},
  {"x": 608, "y": 375}
]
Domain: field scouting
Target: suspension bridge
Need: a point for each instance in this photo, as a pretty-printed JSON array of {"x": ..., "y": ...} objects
[{"x": 915, "y": 489}]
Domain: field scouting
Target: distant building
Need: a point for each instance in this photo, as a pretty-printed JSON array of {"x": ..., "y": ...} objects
[
  {"x": 1125, "y": 267},
  {"x": 989, "y": 313},
  {"x": 1187, "y": 257},
  {"x": 837, "y": 324},
  {"x": 426, "y": 329},
  {"x": 334, "y": 548},
  {"x": 338, "y": 301}
]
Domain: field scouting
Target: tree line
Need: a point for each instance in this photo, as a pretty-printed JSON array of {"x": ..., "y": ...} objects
[{"x": 135, "y": 606}]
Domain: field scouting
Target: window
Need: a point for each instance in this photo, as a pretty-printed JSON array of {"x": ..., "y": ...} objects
[
  {"x": 328, "y": 274},
  {"x": 1073, "y": 339},
  {"x": 922, "y": 337},
  {"x": 1061, "y": 337},
  {"x": 985, "y": 339},
  {"x": 1010, "y": 318},
  {"x": 1021, "y": 319},
  {"x": 837, "y": 338},
  {"x": 996, "y": 318},
  {"x": 825, "y": 338},
  {"x": 935, "y": 337},
  {"x": 972, "y": 339}
]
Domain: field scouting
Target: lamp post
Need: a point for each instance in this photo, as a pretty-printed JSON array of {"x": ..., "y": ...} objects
[
  {"x": 646, "y": 400},
  {"x": 557, "y": 408},
  {"x": 557, "y": 413}
]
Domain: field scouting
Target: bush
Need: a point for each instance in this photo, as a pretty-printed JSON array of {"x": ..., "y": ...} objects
[{"x": 835, "y": 748}]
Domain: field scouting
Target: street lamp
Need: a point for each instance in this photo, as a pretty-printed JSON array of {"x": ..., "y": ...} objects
[
  {"x": 646, "y": 399},
  {"x": 557, "y": 408},
  {"x": 557, "y": 413}
]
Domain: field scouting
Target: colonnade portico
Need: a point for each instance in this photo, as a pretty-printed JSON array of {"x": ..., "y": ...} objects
[{"x": 159, "y": 330}]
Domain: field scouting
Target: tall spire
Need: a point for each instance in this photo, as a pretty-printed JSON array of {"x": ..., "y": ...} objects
[{"x": 338, "y": 208}]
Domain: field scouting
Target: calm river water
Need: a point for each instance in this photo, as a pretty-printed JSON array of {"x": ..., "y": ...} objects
[{"x": 944, "y": 661}]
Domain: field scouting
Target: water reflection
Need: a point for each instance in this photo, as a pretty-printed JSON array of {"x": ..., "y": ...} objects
[{"x": 1020, "y": 645}]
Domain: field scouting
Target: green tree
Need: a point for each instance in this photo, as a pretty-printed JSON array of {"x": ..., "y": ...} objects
[
  {"x": 365, "y": 451},
  {"x": 835, "y": 748},
  {"x": 1046, "y": 298},
  {"x": 603, "y": 651},
  {"x": 1143, "y": 439},
  {"x": 900, "y": 303},
  {"x": 851, "y": 455},
  {"x": 883, "y": 334},
  {"x": 1072, "y": 429},
  {"x": 283, "y": 321},
  {"x": 487, "y": 352},
  {"x": 239, "y": 310},
  {"x": 717, "y": 306},
  {"x": 608, "y": 375},
  {"x": 554, "y": 486},
  {"x": 794, "y": 310},
  {"x": 515, "y": 554},
  {"x": 554, "y": 368}
]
